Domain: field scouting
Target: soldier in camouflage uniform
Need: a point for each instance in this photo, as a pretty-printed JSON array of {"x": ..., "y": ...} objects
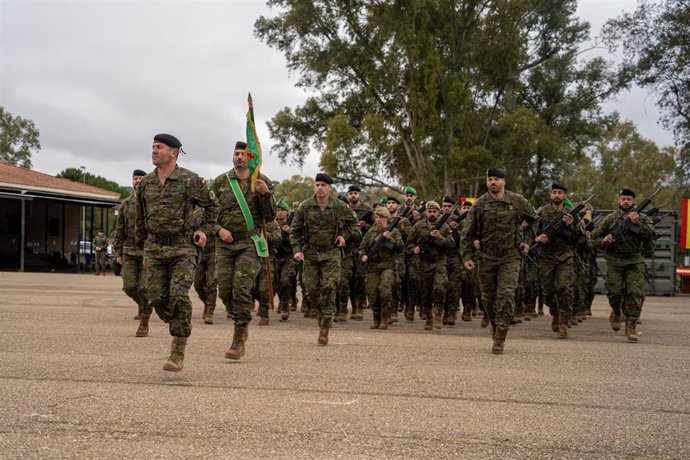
[
  {"x": 321, "y": 226},
  {"x": 240, "y": 241},
  {"x": 468, "y": 279},
  {"x": 261, "y": 291},
  {"x": 625, "y": 262},
  {"x": 356, "y": 286},
  {"x": 453, "y": 267},
  {"x": 556, "y": 257},
  {"x": 433, "y": 276},
  {"x": 285, "y": 264},
  {"x": 131, "y": 257},
  {"x": 392, "y": 205},
  {"x": 205, "y": 283},
  {"x": 493, "y": 231},
  {"x": 165, "y": 229},
  {"x": 380, "y": 262},
  {"x": 100, "y": 245},
  {"x": 410, "y": 272}
]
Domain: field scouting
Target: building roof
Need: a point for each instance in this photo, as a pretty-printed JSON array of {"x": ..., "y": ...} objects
[{"x": 15, "y": 179}]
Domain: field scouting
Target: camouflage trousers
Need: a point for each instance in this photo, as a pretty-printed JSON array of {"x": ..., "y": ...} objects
[
  {"x": 205, "y": 283},
  {"x": 261, "y": 285},
  {"x": 433, "y": 279},
  {"x": 100, "y": 261},
  {"x": 346, "y": 278},
  {"x": 358, "y": 291},
  {"x": 454, "y": 271},
  {"x": 557, "y": 280},
  {"x": 468, "y": 289},
  {"x": 168, "y": 280},
  {"x": 134, "y": 283},
  {"x": 498, "y": 279},
  {"x": 380, "y": 280},
  {"x": 321, "y": 273},
  {"x": 286, "y": 270},
  {"x": 237, "y": 266},
  {"x": 625, "y": 286}
]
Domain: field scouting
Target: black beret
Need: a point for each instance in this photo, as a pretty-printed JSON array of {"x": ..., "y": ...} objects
[
  {"x": 354, "y": 188},
  {"x": 495, "y": 172},
  {"x": 557, "y": 186},
  {"x": 168, "y": 139},
  {"x": 138, "y": 173},
  {"x": 323, "y": 177},
  {"x": 626, "y": 192},
  {"x": 392, "y": 198},
  {"x": 447, "y": 199},
  {"x": 239, "y": 145}
]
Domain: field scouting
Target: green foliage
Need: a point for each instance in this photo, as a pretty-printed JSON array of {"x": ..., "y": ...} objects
[
  {"x": 655, "y": 41},
  {"x": 75, "y": 174},
  {"x": 295, "y": 189},
  {"x": 18, "y": 139},
  {"x": 424, "y": 92}
]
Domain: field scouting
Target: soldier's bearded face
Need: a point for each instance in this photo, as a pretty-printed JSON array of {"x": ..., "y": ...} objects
[
  {"x": 392, "y": 207},
  {"x": 239, "y": 159},
  {"x": 557, "y": 196},
  {"x": 353, "y": 197},
  {"x": 495, "y": 184},
  {"x": 322, "y": 189},
  {"x": 625, "y": 202},
  {"x": 162, "y": 154},
  {"x": 432, "y": 215}
]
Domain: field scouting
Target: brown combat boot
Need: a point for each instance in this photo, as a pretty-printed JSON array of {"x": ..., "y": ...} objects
[
  {"x": 555, "y": 321},
  {"x": 499, "y": 340},
  {"x": 493, "y": 330},
  {"x": 385, "y": 319},
  {"x": 143, "y": 329},
  {"x": 357, "y": 314},
  {"x": 175, "y": 361},
  {"x": 284, "y": 311},
  {"x": 209, "y": 309},
  {"x": 263, "y": 313},
  {"x": 562, "y": 330},
  {"x": 392, "y": 317},
  {"x": 428, "y": 318},
  {"x": 615, "y": 320},
  {"x": 325, "y": 324},
  {"x": 630, "y": 329},
  {"x": 485, "y": 320},
  {"x": 239, "y": 337},
  {"x": 377, "y": 320},
  {"x": 437, "y": 315}
]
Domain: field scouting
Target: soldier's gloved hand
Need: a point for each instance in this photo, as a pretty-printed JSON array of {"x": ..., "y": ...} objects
[
  {"x": 340, "y": 241},
  {"x": 299, "y": 257}
]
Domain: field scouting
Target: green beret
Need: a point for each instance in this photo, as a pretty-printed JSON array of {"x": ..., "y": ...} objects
[
  {"x": 410, "y": 191},
  {"x": 283, "y": 205}
]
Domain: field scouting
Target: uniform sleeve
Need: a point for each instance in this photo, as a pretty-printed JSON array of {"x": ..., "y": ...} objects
[
  {"x": 207, "y": 200},
  {"x": 119, "y": 240},
  {"x": 140, "y": 225},
  {"x": 366, "y": 241},
  {"x": 396, "y": 239},
  {"x": 297, "y": 230},
  {"x": 468, "y": 234},
  {"x": 602, "y": 230},
  {"x": 348, "y": 223},
  {"x": 266, "y": 202}
]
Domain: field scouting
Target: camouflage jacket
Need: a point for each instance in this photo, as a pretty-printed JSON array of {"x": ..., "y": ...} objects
[
  {"x": 436, "y": 251},
  {"x": 631, "y": 249},
  {"x": 164, "y": 213},
  {"x": 124, "y": 243},
  {"x": 230, "y": 217},
  {"x": 200, "y": 223},
  {"x": 360, "y": 212},
  {"x": 100, "y": 244},
  {"x": 316, "y": 229},
  {"x": 386, "y": 254},
  {"x": 284, "y": 247},
  {"x": 496, "y": 224},
  {"x": 561, "y": 243}
]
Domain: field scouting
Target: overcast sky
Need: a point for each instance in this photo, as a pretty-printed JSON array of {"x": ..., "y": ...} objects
[{"x": 100, "y": 78}]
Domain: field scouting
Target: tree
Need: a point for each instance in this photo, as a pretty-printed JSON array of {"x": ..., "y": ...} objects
[
  {"x": 297, "y": 188},
  {"x": 75, "y": 174},
  {"x": 416, "y": 92},
  {"x": 18, "y": 139},
  {"x": 655, "y": 40}
]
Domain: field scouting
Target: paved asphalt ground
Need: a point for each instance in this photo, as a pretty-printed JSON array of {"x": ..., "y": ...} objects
[{"x": 76, "y": 383}]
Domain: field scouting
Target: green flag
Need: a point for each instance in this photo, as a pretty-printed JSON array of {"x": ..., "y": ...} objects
[{"x": 253, "y": 146}]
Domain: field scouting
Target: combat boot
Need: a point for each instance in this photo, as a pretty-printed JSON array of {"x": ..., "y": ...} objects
[
  {"x": 392, "y": 316},
  {"x": 499, "y": 340},
  {"x": 485, "y": 320},
  {"x": 630, "y": 329},
  {"x": 385, "y": 319},
  {"x": 284, "y": 311},
  {"x": 263, "y": 313},
  {"x": 175, "y": 361},
  {"x": 239, "y": 337},
  {"x": 377, "y": 320},
  {"x": 555, "y": 320},
  {"x": 562, "y": 330},
  {"x": 615, "y": 320},
  {"x": 493, "y": 330},
  {"x": 143, "y": 329},
  {"x": 325, "y": 324},
  {"x": 428, "y": 325},
  {"x": 356, "y": 314},
  {"x": 467, "y": 313},
  {"x": 437, "y": 313},
  {"x": 208, "y": 319}
]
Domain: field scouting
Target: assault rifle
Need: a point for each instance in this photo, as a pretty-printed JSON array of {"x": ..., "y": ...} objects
[
  {"x": 381, "y": 241},
  {"x": 368, "y": 217},
  {"x": 284, "y": 235},
  {"x": 559, "y": 227},
  {"x": 424, "y": 241},
  {"x": 655, "y": 209},
  {"x": 619, "y": 230},
  {"x": 458, "y": 219}
]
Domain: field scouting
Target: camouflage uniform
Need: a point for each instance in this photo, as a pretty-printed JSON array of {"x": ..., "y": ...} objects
[
  {"x": 454, "y": 269},
  {"x": 286, "y": 270},
  {"x": 205, "y": 283},
  {"x": 349, "y": 277},
  {"x": 557, "y": 266},
  {"x": 261, "y": 286},
  {"x": 313, "y": 232},
  {"x": 164, "y": 227},
  {"x": 100, "y": 243},
  {"x": 625, "y": 264},
  {"x": 433, "y": 276},
  {"x": 358, "y": 291},
  {"x": 496, "y": 224},
  {"x": 380, "y": 276},
  {"x": 237, "y": 263},
  {"x": 124, "y": 246}
]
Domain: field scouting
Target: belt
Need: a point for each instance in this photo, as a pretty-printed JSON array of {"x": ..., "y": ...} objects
[
  {"x": 321, "y": 248},
  {"x": 168, "y": 240}
]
